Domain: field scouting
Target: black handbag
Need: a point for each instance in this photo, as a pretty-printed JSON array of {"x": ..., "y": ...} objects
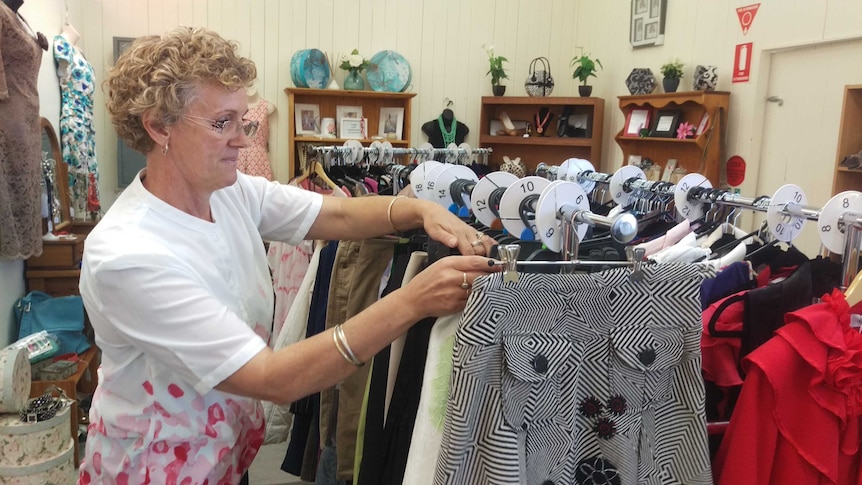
[{"x": 539, "y": 82}]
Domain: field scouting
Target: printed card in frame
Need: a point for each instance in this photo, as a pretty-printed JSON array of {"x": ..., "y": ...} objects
[
  {"x": 353, "y": 128},
  {"x": 306, "y": 118},
  {"x": 347, "y": 112},
  {"x": 637, "y": 119},
  {"x": 391, "y": 123}
]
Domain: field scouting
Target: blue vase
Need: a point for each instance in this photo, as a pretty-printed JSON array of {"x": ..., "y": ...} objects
[{"x": 354, "y": 82}]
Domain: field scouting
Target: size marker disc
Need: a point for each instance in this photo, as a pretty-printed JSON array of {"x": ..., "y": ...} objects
[
  {"x": 418, "y": 175},
  {"x": 479, "y": 198},
  {"x": 431, "y": 181},
  {"x": 572, "y": 167},
  {"x": 626, "y": 172},
  {"x": 785, "y": 227},
  {"x": 556, "y": 195},
  {"x": 690, "y": 209},
  {"x": 510, "y": 204},
  {"x": 356, "y": 151},
  {"x": 829, "y": 225},
  {"x": 445, "y": 177}
]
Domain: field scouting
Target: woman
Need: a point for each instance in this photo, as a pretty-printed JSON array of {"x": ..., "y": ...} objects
[{"x": 175, "y": 281}]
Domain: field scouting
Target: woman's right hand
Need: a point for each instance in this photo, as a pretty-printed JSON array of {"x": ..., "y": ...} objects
[{"x": 440, "y": 288}]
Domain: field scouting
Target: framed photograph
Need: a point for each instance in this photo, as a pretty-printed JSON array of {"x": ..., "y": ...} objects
[
  {"x": 665, "y": 123},
  {"x": 704, "y": 124},
  {"x": 391, "y": 123},
  {"x": 306, "y": 118},
  {"x": 651, "y": 30},
  {"x": 347, "y": 112},
  {"x": 647, "y": 22},
  {"x": 636, "y": 120},
  {"x": 353, "y": 128}
]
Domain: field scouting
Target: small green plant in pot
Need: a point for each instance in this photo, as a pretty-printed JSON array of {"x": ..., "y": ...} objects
[
  {"x": 585, "y": 67},
  {"x": 496, "y": 70},
  {"x": 672, "y": 72}
]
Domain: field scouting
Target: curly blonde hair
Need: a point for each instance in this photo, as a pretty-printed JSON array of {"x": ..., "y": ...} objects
[{"x": 162, "y": 74}]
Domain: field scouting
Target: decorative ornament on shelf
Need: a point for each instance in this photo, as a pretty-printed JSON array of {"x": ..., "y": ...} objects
[
  {"x": 672, "y": 72},
  {"x": 705, "y": 78},
  {"x": 685, "y": 130},
  {"x": 388, "y": 71},
  {"x": 641, "y": 81},
  {"x": 496, "y": 70},
  {"x": 309, "y": 68},
  {"x": 354, "y": 64},
  {"x": 585, "y": 67}
]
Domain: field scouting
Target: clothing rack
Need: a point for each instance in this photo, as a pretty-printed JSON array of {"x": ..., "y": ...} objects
[
  {"x": 851, "y": 222},
  {"x": 381, "y": 150}
]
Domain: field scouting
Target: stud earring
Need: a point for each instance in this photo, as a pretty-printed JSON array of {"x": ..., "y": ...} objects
[{"x": 165, "y": 148}]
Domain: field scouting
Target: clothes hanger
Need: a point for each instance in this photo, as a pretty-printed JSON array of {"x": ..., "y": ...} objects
[
  {"x": 853, "y": 293},
  {"x": 315, "y": 168}
]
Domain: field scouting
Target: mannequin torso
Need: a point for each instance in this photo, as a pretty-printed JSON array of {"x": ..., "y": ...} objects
[{"x": 434, "y": 132}]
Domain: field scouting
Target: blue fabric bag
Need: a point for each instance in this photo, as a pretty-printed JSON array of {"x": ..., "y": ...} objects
[{"x": 62, "y": 317}]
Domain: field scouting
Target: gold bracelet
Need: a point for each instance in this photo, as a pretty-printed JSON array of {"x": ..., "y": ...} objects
[
  {"x": 389, "y": 211},
  {"x": 344, "y": 348}
]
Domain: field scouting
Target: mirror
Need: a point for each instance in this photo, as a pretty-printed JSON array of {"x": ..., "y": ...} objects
[{"x": 56, "y": 177}]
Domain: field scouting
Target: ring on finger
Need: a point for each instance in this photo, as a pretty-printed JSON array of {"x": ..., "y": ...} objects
[
  {"x": 475, "y": 243},
  {"x": 480, "y": 235},
  {"x": 464, "y": 284}
]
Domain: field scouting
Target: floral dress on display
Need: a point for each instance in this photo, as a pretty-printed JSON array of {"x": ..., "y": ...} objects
[{"x": 77, "y": 133}]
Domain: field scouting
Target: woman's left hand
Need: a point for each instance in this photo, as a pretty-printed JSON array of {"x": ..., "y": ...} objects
[{"x": 441, "y": 225}]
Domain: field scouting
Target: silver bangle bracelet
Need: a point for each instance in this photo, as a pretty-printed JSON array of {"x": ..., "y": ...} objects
[{"x": 344, "y": 347}]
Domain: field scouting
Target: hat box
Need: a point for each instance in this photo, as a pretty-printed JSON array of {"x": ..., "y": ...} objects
[
  {"x": 14, "y": 379},
  {"x": 37, "y": 452}
]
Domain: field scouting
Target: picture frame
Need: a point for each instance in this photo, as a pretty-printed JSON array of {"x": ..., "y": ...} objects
[
  {"x": 647, "y": 25},
  {"x": 306, "y": 118},
  {"x": 391, "y": 123},
  {"x": 353, "y": 128},
  {"x": 703, "y": 125},
  {"x": 665, "y": 123},
  {"x": 636, "y": 120},
  {"x": 347, "y": 112}
]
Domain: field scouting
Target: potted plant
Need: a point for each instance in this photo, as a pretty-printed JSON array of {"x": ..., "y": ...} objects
[
  {"x": 496, "y": 70},
  {"x": 585, "y": 66},
  {"x": 672, "y": 72},
  {"x": 354, "y": 64}
]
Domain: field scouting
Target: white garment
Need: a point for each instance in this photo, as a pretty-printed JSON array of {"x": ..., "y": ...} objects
[
  {"x": 179, "y": 304},
  {"x": 684, "y": 251},
  {"x": 278, "y": 417},
  {"x": 431, "y": 414}
]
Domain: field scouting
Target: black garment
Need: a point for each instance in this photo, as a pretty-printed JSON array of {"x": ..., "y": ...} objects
[
  {"x": 305, "y": 410},
  {"x": 435, "y": 135},
  {"x": 391, "y": 457},
  {"x": 765, "y": 307},
  {"x": 373, "y": 438}
]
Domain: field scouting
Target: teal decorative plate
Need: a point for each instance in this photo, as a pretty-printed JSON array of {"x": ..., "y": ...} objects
[
  {"x": 388, "y": 71},
  {"x": 309, "y": 69}
]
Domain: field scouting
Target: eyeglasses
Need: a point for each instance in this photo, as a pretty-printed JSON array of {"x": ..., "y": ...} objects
[{"x": 230, "y": 128}]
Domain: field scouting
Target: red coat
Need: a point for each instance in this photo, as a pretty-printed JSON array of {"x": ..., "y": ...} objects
[{"x": 797, "y": 420}]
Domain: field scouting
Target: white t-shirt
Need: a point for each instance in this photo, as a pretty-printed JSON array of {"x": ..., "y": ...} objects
[{"x": 178, "y": 304}]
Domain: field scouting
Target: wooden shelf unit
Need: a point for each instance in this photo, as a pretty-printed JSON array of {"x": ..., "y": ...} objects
[
  {"x": 550, "y": 149},
  {"x": 703, "y": 154},
  {"x": 849, "y": 140},
  {"x": 328, "y": 99}
]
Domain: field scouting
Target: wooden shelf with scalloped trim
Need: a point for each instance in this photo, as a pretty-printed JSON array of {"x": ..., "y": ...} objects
[{"x": 702, "y": 154}]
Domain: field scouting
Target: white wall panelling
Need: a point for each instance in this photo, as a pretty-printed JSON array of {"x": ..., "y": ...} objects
[{"x": 442, "y": 40}]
